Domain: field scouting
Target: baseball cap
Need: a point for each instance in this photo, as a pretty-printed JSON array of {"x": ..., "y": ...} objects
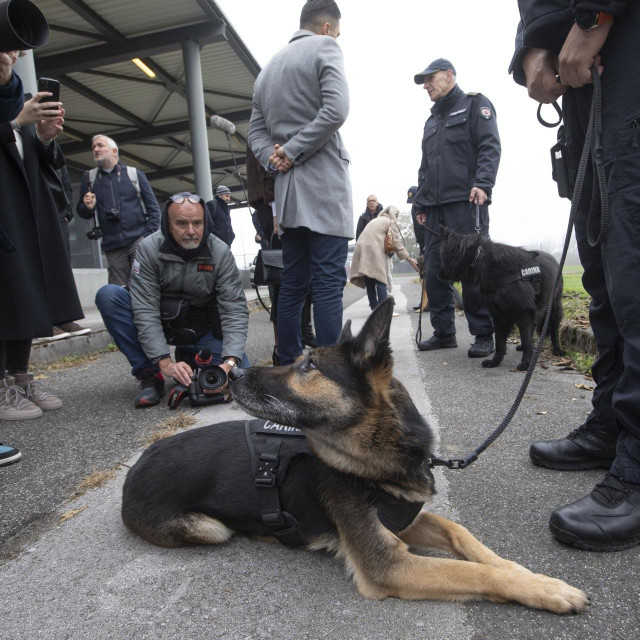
[
  {"x": 440, "y": 64},
  {"x": 221, "y": 190},
  {"x": 411, "y": 192}
]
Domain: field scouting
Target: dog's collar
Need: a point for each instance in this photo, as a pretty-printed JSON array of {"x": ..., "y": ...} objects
[{"x": 473, "y": 262}]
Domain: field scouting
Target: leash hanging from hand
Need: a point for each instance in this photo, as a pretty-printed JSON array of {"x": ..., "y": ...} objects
[{"x": 594, "y": 124}]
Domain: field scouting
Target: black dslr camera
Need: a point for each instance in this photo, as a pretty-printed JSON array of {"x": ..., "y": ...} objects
[
  {"x": 206, "y": 377},
  {"x": 113, "y": 215},
  {"x": 95, "y": 233}
]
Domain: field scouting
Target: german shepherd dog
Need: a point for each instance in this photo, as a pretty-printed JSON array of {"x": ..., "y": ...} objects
[
  {"x": 504, "y": 275},
  {"x": 366, "y": 439}
]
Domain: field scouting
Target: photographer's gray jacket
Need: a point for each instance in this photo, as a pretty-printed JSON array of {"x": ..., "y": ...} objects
[
  {"x": 114, "y": 190},
  {"x": 460, "y": 149},
  {"x": 300, "y": 101},
  {"x": 212, "y": 274}
]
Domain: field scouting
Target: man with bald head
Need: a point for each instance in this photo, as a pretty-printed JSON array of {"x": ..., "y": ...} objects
[{"x": 185, "y": 290}]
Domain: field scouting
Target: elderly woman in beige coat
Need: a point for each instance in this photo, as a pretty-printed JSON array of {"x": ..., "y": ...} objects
[{"x": 369, "y": 262}]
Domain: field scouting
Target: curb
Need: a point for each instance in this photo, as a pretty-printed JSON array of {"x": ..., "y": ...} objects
[
  {"x": 578, "y": 338},
  {"x": 99, "y": 338}
]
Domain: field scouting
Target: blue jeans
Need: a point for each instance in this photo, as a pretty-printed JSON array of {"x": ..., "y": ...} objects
[
  {"x": 114, "y": 304},
  {"x": 376, "y": 291},
  {"x": 311, "y": 260}
]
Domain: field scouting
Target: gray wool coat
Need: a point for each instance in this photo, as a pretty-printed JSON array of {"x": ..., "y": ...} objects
[
  {"x": 300, "y": 101},
  {"x": 369, "y": 258}
]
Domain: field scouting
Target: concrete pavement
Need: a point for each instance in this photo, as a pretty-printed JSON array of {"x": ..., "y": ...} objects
[{"x": 89, "y": 576}]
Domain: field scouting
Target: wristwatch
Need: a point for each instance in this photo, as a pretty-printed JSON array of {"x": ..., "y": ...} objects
[
  {"x": 232, "y": 363},
  {"x": 588, "y": 19}
]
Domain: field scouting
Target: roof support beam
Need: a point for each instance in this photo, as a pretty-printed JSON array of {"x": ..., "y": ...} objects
[{"x": 110, "y": 53}]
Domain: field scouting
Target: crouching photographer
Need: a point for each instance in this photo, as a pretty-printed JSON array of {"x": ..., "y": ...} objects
[{"x": 184, "y": 290}]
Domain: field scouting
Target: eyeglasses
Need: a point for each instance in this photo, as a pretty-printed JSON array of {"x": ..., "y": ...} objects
[{"x": 179, "y": 198}]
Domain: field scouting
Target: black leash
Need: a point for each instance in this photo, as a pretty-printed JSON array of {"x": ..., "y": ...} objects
[{"x": 594, "y": 123}]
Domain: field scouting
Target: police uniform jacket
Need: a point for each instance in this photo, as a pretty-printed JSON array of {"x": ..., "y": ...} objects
[
  {"x": 546, "y": 23},
  {"x": 460, "y": 149},
  {"x": 210, "y": 274}
]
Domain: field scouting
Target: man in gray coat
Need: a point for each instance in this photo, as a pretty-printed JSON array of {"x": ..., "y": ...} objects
[{"x": 300, "y": 101}]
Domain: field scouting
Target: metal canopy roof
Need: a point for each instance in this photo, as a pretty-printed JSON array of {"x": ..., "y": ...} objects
[{"x": 90, "y": 49}]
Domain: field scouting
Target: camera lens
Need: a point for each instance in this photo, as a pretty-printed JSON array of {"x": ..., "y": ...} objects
[{"x": 212, "y": 377}]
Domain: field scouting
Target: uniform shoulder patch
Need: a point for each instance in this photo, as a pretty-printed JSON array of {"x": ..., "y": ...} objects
[{"x": 486, "y": 113}]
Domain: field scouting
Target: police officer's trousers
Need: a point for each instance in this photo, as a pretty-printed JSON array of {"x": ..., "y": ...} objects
[
  {"x": 460, "y": 217},
  {"x": 612, "y": 271}
]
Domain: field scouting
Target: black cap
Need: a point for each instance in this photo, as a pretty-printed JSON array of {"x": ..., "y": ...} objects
[
  {"x": 411, "y": 193},
  {"x": 437, "y": 65}
]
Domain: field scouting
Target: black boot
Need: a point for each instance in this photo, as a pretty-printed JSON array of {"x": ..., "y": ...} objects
[
  {"x": 481, "y": 347},
  {"x": 438, "y": 342},
  {"x": 608, "y": 519},
  {"x": 583, "y": 448},
  {"x": 151, "y": 388}
]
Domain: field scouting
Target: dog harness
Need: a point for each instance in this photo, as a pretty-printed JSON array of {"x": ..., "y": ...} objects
[
  {"x": 533, "y": 274},
  {"x": 272, "y": 447}
]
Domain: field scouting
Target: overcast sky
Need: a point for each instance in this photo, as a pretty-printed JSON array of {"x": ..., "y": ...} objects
[{"x": 385, "y": 44}]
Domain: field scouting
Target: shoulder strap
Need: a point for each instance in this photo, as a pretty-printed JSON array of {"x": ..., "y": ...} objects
[
  {"x": 93, "y": 173},
  {"x": 132, "y": 173}
]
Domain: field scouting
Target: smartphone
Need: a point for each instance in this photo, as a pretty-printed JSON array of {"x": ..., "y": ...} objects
[{"x": 51, "y": 85}]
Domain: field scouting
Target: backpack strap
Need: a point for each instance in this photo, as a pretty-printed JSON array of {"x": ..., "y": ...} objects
[
  {"x": 132, "y": 173},
  {"x": 93, "y": 174}
]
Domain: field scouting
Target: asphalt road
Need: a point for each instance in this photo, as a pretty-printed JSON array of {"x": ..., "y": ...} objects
[{"x": 90, "y": 577}]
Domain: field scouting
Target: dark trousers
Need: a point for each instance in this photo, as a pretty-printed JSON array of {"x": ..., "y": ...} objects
[
  {"x": 460, "y": 217},
  {"x": 119, "y": 262},
  {"x": 376, "y": 291},
  {"x": 14, "y": 356},
  {"x": 311, "y": 260},
  {"x": 612, "y": 271}
]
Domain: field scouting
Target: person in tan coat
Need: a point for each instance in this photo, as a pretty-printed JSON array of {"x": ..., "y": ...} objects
[{"x": 369, "y": 262}]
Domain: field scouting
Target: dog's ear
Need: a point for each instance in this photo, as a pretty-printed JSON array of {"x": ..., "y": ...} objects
[
  {"x": 345, "y": 335},
  {"x": 372, "y": 343}
]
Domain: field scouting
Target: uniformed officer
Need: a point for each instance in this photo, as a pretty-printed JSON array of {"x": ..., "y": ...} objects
[
  {"x": 460, "y": 157},
  {"x": 557, "y": 43}
]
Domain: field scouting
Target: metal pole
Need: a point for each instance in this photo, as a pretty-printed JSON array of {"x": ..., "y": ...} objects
[
  {"x": 25, "y": 68},
  {"x": 197, "y": 119}
]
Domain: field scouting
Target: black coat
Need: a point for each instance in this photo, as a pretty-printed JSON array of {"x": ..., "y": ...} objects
[
  {"x": 38, "y": 289},
  {"x": 460, "y": 149},
  {"x": 365, "y": 218},
  {"x": 221, "y": 218}
]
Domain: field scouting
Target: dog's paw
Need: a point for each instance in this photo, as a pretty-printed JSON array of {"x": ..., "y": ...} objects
[
  {"x": 542, "y": 592},
  {"x": 523, "y": 366},
  {"x": 558, "y": 352},
  {"x": 490, "y": 363},
  {"x": 519, "y": 347}
]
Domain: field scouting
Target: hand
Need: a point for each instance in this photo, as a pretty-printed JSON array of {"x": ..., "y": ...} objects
[
  {"x": 414, "y": 264},
  {"x": 48, "y": 129},
  {"x": 6, "y": 68},
  {"x": 258, "y": 239},
  {"x": 180, "y": 371},
  {"x": 275, "y": 226},
  {"x": 540, "y": 70},
  {"x": 279, "y": 159},
  {"x": 421, "y": 218},
  {"x": 579, "y": 51},
  {"x": 89, "y": 200},
  {"x": 479, "y": 193},
  {"x": 34, "y": 111}
]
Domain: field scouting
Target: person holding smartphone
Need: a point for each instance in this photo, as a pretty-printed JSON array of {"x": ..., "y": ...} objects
[{"x": 38, "y": 289}]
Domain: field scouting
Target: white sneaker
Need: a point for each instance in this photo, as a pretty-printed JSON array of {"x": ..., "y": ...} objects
[
  {"x": 14, "y": 405},
  {"x": 73, "y": 329},
  {"x": 35, "y": 393},
  {"x": 395, "y": 315}
]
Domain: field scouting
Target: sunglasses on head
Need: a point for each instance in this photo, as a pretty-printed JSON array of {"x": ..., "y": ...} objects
[{"x": 179, "y": 198}]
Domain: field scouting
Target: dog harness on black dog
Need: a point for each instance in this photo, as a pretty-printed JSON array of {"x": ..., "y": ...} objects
[
  {"x": 534, "y": 274},
  {"x": 272, "y": 447}
]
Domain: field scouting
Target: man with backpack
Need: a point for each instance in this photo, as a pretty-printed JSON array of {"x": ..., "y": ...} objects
[{"x": 122, "y": 204}]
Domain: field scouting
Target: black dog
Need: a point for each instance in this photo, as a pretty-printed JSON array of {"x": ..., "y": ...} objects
[
  {"x": 353, "y": 481},
  {"x": 515, "y": 283}
]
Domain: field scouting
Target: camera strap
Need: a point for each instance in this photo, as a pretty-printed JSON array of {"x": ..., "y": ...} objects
[{"x": 590, "y": 140}]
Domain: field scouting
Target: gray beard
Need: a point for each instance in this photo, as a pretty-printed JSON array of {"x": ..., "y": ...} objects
[{"x": 189, "y": 244}]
